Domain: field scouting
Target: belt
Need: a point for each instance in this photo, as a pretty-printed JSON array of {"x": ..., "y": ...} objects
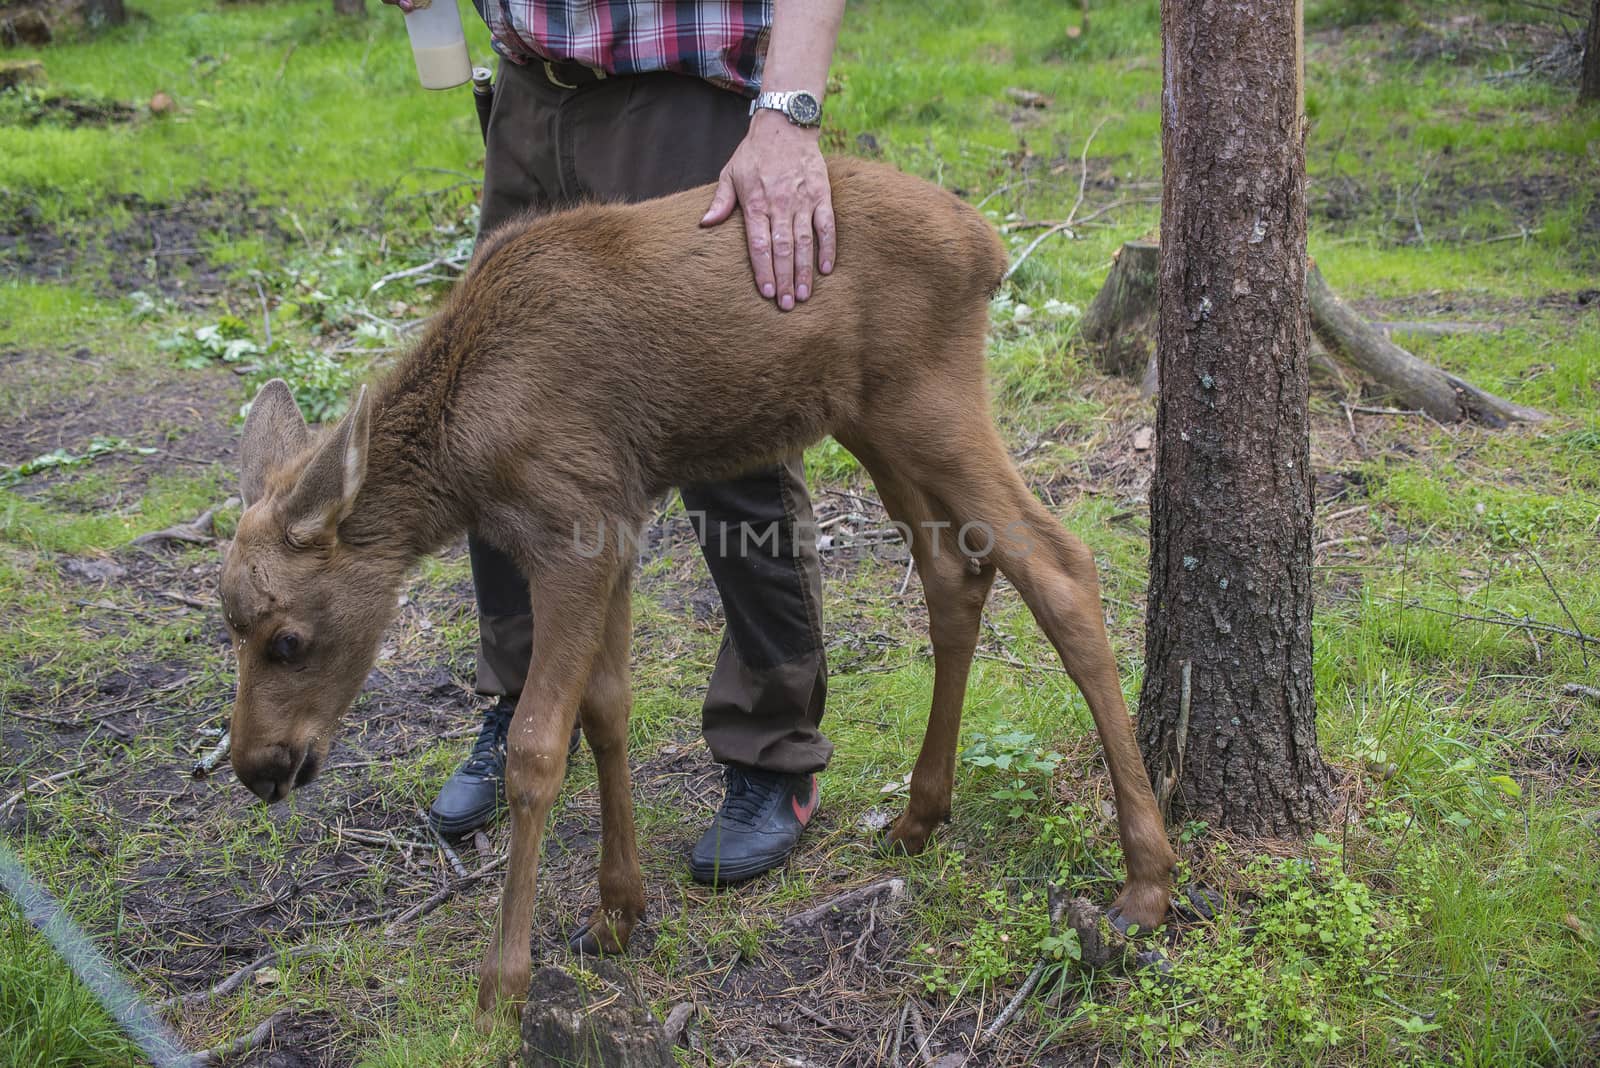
[{"x": 566, "y": 75}]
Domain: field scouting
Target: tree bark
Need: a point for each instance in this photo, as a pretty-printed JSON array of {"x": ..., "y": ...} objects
[
  {"x": 1589, "y": 83},
  {"x": 1227, "y": 719},
  {"x": 349, "y": 7}
]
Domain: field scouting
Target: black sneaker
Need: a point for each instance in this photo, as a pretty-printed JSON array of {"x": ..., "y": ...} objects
[
  {"x": 471, "y": 797},
  {"x": 757, "y": 827},
  {"x": 474, "y": 795}
]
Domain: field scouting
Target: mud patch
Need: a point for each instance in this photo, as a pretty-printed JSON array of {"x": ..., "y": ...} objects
[
  {"x": 183, "y": 414},
  {"x": 160, "y": 248},
  {"x": 28, "y": 107}
]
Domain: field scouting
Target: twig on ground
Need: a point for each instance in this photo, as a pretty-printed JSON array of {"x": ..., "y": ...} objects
[
  {"x": 816, "y": 1017},
  {"x": 919, "y": 1032},
  {"x": 894, "y": 888},
  {"x": 260, "y": 1036},
  {"x": 1357, "y": 539},
  {"x": 1058, "y": 908},
  {"x": 444, "y": 847},
  {"x": 899, "y": 1035},
  {"x": 200, "y": 530},
  {"x": 1583, "y": 647},
  {"x": 1065, "y": 225},
  {"x": 455, "y": 263},
  {"x": 439, "y": 897},
  {"x": 209, "y": 763},
  {"x": 237, "y": 979},
  {"x": 1502, "y": 619},
  {"x": 184, "y": 599},
  {"x": 858, "y": 955},
  {"x": 266, "y": 320},
  {"x": 59, "y": 776}
]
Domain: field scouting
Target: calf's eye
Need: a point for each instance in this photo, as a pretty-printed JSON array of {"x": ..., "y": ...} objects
[{"x": 285, "y": 647}]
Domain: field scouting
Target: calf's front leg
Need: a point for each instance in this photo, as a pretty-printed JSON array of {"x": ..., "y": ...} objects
[{"x": 568, "y": 622}]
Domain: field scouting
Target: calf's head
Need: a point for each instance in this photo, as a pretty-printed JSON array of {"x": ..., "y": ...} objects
[{"x": 305, "y": 609}]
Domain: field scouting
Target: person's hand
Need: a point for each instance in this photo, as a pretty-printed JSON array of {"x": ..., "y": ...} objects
[{"x": 778, "y": 176}]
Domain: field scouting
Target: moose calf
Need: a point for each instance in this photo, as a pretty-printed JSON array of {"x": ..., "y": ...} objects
[{"x": 588, "y": 361}]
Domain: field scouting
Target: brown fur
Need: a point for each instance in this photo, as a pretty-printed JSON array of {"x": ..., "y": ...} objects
[{"x": 588, "y": 361}]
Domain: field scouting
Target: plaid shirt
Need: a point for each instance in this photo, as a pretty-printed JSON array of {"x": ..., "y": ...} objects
[{"x": 722, "y": 41}]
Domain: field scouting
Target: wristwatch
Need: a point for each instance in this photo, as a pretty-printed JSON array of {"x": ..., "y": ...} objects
[{"x": 801, "y": 108}]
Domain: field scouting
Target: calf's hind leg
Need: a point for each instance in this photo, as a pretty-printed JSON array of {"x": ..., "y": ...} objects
[
  {"x": 1055, "y": 573},
  {"x": 955, "y": 589},
  {"x": 604, "y": 714}
]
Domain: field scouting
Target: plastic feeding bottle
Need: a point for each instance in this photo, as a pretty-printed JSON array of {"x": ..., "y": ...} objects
[{"x": 439, "y": 44}]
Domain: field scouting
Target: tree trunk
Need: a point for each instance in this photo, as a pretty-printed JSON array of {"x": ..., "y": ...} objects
[
  {"x": 1227, "y": 719},
  {"x": 349, "y": 7},
  {"x": 1589, "y": 84}
]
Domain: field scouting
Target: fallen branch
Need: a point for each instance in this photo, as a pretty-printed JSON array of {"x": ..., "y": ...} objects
[
  {"x": 1417, "y": 383},
  {"x": 455, "y": 263},
  {"x": 1065, "y": 225}
]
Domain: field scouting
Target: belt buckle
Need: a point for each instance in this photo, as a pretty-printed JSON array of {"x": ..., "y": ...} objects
[{"x": 555, "y": 80}]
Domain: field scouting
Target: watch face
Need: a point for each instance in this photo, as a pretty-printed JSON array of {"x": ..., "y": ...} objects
[{"x": 804, "y": 109}]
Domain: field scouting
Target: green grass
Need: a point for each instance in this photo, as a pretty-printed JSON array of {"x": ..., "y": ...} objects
[{"x": 1453, "y": 909}]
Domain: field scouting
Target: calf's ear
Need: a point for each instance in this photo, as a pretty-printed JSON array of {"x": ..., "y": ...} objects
[
  {"x": 326, "y": 491},
  {"x": 274, "y": 432}
]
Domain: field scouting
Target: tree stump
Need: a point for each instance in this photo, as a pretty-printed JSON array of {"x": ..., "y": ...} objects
[
  {"x": 38, "y": 22},
  {"x": 593, "y": 1019},
  {"x": 1120, "y": 325},
  {"x": 1589, "y": 80}
]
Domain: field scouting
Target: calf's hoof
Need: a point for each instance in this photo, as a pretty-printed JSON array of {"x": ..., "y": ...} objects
[
  {"x": 502, "y": 989},
  {"x": 605, "y": 934},
  {"x": 1140, "y": 908},
  {"x": 909, "y": 835}
]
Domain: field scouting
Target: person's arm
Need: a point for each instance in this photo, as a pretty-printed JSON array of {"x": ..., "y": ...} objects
[{"x": 777, "y": 173}]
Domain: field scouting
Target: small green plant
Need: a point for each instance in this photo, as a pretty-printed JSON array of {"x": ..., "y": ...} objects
[
  {"x": 56, "y": 459},
  {"x": 1022, "y": 766}
]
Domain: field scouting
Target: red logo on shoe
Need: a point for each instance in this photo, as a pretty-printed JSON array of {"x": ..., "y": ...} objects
[{"x": 804, "y": 812}]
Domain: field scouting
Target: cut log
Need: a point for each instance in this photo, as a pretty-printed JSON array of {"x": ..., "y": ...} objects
[
  {"x": 1120, "y": 331},
  {"x": 1415, "y": 383}
]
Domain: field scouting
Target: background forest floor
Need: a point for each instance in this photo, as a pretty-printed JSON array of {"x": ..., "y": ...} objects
[{"x": 157, "y": 266}]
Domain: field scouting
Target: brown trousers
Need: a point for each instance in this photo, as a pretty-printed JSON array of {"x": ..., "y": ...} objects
[{"x": 557, "y": 136}]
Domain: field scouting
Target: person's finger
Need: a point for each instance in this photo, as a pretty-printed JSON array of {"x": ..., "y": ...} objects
[
  {"x": 783, "y": 257},
  {"x": 721, "y": 203},
  {"x": 827, "y": 243},
  {"x": 759, "y": 236},
  {"x": 803, "y": 245}
]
